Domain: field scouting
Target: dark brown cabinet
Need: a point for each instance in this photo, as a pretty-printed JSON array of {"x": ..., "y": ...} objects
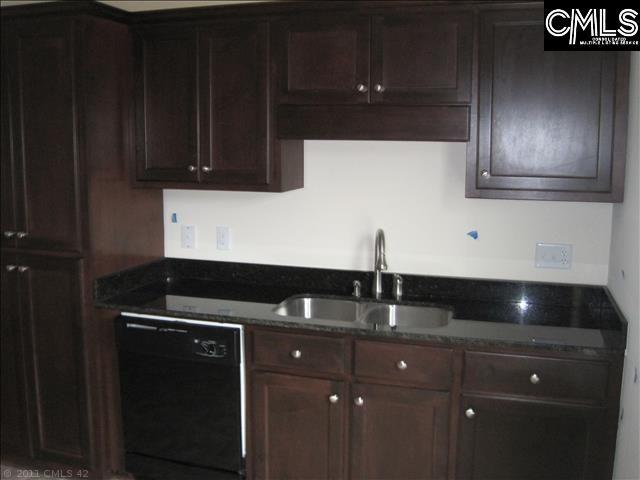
[
  {"x": 323, "y": 59},
  {"x": 420, "y": 58},
  {"x": 67, "y": 86},
  {"x": 531, "y": 417},
  {"x": 415, "y": 411},
  {"x": 307, "y": 401},
  {"x": 234, "y": 143},
  {"x": 504, "y": 439},
  {"x": 7, "y": 214},
  {"x": 298, "y": 426},
  {"x": 203, "y": 110},
  {"x": 399, "y": 433},
  {"x": 166, "y": 105},
  {"x": 40, "y": 162},
  {"x": 51, "y": 313},
  {"x": 15, "y": 433},
  {"x": 44, "y": 405},
  {"x": 549, "y": 125}
]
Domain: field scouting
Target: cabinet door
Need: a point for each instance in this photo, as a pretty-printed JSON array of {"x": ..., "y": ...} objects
[
  {"x": 323, "y": 59},
  {"x": 298, "y": 427},
  {"x": 234, "y": 104},
  {"x": 527, "y": 440},
  {"x": 51, "y": 311},
  {"x": 7, "y": 214},
  {"x": 45, "y": 121},
  {"x": 14, "y": 432},
  {"x": 399, "y": 433},
  {"x": 545, "y": 123},
  {"x": 422, "y": 59},
  {"x": 166, "y": 105}
]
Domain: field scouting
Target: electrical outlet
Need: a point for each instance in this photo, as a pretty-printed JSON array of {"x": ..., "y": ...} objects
[
  {"x": 188, "y": 236},
  {"x": 554, "y": 255},
  {"x": 223, "y": 237}
]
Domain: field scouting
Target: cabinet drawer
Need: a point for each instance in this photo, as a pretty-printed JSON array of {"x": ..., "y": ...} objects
[
  {"x": 404, "y": 363},
  {"x": 309, "y": 352},
  {"x": 535, "y": 376}
]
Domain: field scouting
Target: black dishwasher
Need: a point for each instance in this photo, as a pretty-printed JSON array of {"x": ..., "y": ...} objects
[{"x": 182, "y": 390}]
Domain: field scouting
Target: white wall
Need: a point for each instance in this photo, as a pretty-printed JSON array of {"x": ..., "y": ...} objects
[
  {"x": 625, "y": 243},
  {"x": 415, "y": 191}
]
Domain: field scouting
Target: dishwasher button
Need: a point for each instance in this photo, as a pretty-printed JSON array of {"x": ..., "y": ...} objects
[{"x": 211, "y": 348}]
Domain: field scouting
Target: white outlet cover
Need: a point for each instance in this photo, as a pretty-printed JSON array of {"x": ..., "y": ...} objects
[
  {"x": 188, "y": 236},
  {"x": 554, "y": 255}
]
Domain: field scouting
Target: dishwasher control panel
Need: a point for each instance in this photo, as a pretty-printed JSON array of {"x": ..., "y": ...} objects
[
  {"x": 174, "y": 339},
  {"x": 210, "y": 348}
]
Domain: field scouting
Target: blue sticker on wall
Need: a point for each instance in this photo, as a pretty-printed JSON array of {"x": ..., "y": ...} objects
[
  {"x": 473, "y": 234},
  {"x": 174, "y": 218}
]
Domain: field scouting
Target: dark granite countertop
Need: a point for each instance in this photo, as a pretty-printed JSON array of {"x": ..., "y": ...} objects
[{"x": 485, "y": 312}]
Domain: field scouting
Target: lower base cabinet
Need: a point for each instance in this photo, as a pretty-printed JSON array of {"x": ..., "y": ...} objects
[
  {"x": 299, "y": 427},
  {"x": 506, "y": 439},
  {"x": 398, "y": 433},
  {"x": 338, "y": 407},
  {"x": 44, "y": 380},
  {"x": 14, "y": 431}
]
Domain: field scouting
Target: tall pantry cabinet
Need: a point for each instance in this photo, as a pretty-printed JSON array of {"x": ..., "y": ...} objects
[{"x": 66, "y": 198}]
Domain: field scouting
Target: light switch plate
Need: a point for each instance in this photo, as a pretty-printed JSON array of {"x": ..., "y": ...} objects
[
  {"x": 554, "y": 255},
  {"x": 223, "y": 237}
]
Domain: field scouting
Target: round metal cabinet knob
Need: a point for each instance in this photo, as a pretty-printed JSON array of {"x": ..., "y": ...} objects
[
  {"x": 10, "y": 268},
  {"x": 358, "y": 401},
  {"x": 402, "y": 365},
  {"x": 378, "y": 88},
  {"x": 23, "y": 268},
  {"x": 334, "y": 398},
  {"x": 8, "y": 234},
  {"x": 296, "y": 353},
  {"x": 484, "y": 173},
  {"x": 470, "y": 413},
  {"x": 362, "y": 88},
  {"x": 534, "y": 378},
  {"x": 192, "y": 168},
  {"x": 206, "y": 169}
]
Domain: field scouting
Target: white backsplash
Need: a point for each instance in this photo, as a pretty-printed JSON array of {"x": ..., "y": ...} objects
[{"x": 415, "y": 192}]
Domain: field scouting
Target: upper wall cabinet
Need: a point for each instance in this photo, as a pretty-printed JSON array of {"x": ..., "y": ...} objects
[
  {"x": 40, "y": 140},
  {"x": 422, "y": 59},
  {"x": 234, "y": 103},
  {"x": 323, "y": 59},
  {"x": 548, "y": 125},
  {"x": 166, "y": 105},
  {"x": 203, "y": 111},
  {"x": 407, "y": 58}
]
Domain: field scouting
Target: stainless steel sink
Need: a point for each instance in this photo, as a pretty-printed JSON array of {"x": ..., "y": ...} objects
[
  {"x": 364, "y": 311},
  {"x": 410, "y": 316},
  {"x": 319, "y": 307}
]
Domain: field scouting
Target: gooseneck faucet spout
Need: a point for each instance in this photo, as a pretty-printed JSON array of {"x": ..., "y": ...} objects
[{"x": 379, "y": 264}]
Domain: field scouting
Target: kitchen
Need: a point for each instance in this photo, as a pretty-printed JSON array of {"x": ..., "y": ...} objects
[{"x": 339, "y": 165}]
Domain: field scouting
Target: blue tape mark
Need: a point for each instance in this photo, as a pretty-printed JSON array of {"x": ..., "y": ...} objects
[
  {"x": 174, "y": 218},
  {"x": 473, "y": 234}
]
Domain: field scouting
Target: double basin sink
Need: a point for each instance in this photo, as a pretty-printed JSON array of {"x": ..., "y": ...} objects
[{"x": 364, "y": 311}]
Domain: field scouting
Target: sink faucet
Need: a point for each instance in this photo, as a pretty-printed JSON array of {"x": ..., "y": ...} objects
[{"x": 379, "y": 264}]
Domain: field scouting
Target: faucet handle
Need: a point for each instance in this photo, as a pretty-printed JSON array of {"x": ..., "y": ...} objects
[
  {"x": 397, "y": 287},
  {"x": 357, "y": 289}
]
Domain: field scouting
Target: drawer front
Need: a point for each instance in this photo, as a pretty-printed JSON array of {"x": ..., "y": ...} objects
[
  {"x": 308, "y": 352},
  {"x": 404, "y": 363},
  {"x": 535, "y": 376}
]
